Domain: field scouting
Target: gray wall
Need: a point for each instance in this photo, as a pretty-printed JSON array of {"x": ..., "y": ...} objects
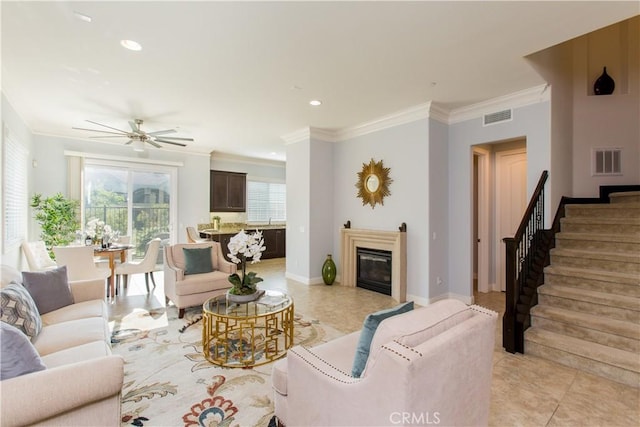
[
  {"x": 531, "y": 122},
  {"x": 405, "y": 150}
]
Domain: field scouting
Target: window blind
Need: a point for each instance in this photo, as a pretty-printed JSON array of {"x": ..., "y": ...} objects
[
  {"x": 266, "y": 201},
  {"x": 15, "y": 198}
]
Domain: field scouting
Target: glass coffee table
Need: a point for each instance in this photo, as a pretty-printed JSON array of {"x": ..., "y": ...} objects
[{"x": 239, "y": 335}]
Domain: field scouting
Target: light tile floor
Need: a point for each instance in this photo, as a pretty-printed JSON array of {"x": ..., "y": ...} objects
[{"x": 526, "y": 390}]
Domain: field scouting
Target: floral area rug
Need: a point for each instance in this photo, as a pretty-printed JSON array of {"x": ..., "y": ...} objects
[{"x": 168, "y": 382}]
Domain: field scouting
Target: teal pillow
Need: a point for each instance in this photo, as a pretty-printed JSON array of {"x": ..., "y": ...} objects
[
  {"x": 197, "y": 260},
  {"x": 368, "y": 330}
]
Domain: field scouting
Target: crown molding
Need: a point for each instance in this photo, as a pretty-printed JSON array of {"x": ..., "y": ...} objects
[
  {"x": 439, "y": 113},
  {"x": 412, "y": 114},
  {"x": 225, "y": 157},
  {"x": 427, "y": 110},
  {"x": 297, "y": 136},
  {"x": 518, "y": 99},
  {"x": 121, "y": 158},
  {"x": 324, "y": 135}
]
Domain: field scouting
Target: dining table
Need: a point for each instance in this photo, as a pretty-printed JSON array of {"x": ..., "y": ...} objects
[{"x": 111, "y": 252}]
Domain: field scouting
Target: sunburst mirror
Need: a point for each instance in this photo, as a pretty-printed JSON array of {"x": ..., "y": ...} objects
[{"x": 373, "y": 183}]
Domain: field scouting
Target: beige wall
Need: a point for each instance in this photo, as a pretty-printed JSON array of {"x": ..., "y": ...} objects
[
  {"x": 606, "y": 120},
  {"x": 582, "y": 121}
]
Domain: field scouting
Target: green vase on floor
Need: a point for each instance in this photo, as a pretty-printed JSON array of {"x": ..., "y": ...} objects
[{"x": 328, "y": 271}]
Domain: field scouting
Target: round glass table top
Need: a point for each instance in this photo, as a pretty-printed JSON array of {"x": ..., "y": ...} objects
[{"x": 272, "y": 301}]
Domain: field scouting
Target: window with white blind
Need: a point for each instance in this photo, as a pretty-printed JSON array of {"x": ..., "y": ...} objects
[
  {"x": 266, "y": 201},
  {"x": 14, "y": 193}
]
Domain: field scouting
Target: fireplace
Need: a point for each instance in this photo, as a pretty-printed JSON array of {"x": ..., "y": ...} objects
[
  {"x": 381, "y": 240},
  {"x": 373, "y": 270}
]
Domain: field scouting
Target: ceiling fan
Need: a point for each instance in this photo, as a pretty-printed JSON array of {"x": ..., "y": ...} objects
[{"x": 137, "y": 136}]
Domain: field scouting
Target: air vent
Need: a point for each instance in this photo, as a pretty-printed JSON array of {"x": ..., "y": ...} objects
[
  {"x": 607, "y": 161},
  {"x": 499, "y": 117}
]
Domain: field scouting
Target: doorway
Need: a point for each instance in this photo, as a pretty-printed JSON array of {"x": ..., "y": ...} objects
[{"x": 499, "y": 198}]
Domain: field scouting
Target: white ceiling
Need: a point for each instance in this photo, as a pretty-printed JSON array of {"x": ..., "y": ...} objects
[{"x": 237, "y": 76}]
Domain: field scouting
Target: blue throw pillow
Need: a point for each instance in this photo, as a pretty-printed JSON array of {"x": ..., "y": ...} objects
[
  {"x": 368, "y": 330},
  {"x": 197, "y": 260}
]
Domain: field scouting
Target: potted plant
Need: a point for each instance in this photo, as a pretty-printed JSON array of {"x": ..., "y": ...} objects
[
  {"x": 58, "y": 219},
  {"x": 244, "y": 247}
]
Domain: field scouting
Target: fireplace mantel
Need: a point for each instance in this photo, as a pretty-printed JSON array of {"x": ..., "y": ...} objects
[{"x": 393, "y": 241}]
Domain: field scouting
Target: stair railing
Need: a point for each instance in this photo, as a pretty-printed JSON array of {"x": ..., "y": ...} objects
[{"x": 519, "y": 263}]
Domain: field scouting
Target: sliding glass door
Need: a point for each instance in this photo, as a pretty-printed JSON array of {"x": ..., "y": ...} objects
[{"x": 135, "y": 200}]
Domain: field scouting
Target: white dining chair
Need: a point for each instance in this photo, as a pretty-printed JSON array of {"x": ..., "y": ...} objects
[
  {"x": 193, "y": 236},
  {"x": 79, "y": 262},
  {"x": 146, "y": 266},
  {"x": 37, "y": 256}
]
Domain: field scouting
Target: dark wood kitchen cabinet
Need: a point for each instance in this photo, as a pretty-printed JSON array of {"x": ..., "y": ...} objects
[
  {"x": 228, "y": 192},
  {"x": 274, "y": 240}
]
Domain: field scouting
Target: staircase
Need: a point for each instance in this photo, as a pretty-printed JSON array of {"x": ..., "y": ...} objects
[{"x": 588, "y": 312}]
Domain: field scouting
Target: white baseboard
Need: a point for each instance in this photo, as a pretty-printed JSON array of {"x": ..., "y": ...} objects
[{"x": 304, "y": 280}]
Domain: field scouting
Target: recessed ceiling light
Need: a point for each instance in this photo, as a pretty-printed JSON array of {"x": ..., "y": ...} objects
[
  {"x": 131, "y": 45},
  {"x": 82, "y": 16},
  {"x": 315, "y": 102}
]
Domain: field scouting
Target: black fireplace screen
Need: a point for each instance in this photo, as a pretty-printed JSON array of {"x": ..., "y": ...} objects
[{"x": 374, "y": 270}]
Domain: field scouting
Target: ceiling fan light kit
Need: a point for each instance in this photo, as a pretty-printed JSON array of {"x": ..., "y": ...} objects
[
  {"x": 138, "y": 146},
  {"x": 137, "y": 137}
]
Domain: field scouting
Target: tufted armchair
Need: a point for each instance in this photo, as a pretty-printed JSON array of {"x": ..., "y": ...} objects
[
  {"x": 188, "y": 290},
  {"x": 428, "y": 366}
]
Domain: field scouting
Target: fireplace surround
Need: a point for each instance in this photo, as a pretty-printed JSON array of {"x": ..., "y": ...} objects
[{"x": 392, "y": 241}]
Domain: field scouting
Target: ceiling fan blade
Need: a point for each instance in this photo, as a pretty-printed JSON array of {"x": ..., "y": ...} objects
[
  {"x": 109, "y": 136},
  {"x": 154, "y": 144},
  {"x": 134, "y": 126},
  {"x": 102, "y": 131},
  {"x": 170, "y": 142},
  {"x": 100, "y": 124},
  {"x": 161, "y": 132},
  {"x": 176, "y": 138}
]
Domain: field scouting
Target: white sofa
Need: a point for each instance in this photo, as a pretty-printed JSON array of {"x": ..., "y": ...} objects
[
  {"x": 188, "y": 290},
  {"x": 428, "y": 366},
  {"x": 82, "y": 382}
]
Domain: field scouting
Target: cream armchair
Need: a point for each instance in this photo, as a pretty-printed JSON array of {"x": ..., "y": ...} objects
[
  {"x": 188, "y": 290},
  {"x": 430, "y": 366}
]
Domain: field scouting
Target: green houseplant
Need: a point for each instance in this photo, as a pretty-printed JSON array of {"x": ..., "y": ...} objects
[
  {"x": 58, "y": 219},
  {"x": 243, "y": 247}
]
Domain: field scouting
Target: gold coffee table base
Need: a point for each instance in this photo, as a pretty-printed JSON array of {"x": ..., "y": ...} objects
[{"x": 250, "y": 334}]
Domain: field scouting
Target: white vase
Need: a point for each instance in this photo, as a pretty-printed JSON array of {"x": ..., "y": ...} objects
[{"x": 240, "y": 299}]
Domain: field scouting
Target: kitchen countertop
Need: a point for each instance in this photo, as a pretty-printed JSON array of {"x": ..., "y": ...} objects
[{"x": 237, "y": 229}]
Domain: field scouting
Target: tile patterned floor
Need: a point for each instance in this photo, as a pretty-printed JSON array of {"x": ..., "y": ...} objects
[{"x": 526, "y": 390}]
